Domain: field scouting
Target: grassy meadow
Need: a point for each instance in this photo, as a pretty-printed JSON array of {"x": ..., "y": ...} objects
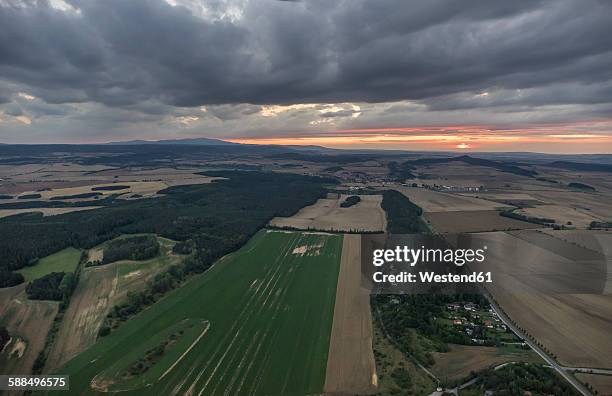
[{"x": 65, "y": 260}]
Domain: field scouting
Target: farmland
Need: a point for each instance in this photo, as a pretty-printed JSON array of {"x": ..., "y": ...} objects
[
  {"x": 44, "y": 211},
  {"x": 286, "y": 314},
  {"x": 350, "y": 366},
  {"x": 473, "y": 221},
  {"x": 463, "y": 359},
  {"x": 28, "y": 323},
  {"x": 327, "y": 215},
  {"x": 550, "y": 287},
  {"x": 65, "y": 260},
  {"x": 98, "y": 290},
  {"x": 436, "y": 201},
  {"x": 261, "y": 320}
]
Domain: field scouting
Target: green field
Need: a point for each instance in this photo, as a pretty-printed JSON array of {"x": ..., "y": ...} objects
[
  {"x": 63, "y": 261},
  {"x": 258, "y": 322}
]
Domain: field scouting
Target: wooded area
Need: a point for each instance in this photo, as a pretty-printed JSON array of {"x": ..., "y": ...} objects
[{"x": 218, "y": 217}]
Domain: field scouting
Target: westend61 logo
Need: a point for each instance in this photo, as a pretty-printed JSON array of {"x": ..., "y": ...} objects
[{"x": 404, "y": 254}]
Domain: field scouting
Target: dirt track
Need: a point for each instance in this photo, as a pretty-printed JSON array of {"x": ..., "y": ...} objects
[{"x": 351, "y": 368}]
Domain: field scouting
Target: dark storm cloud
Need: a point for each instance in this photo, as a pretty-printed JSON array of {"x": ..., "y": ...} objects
[
  {"x": 341, "y": 113},
  {"x": 147, "y": 55}
]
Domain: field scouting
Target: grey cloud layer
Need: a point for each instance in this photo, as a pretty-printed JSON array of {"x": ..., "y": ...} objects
[{"x": 155, "y": 59}]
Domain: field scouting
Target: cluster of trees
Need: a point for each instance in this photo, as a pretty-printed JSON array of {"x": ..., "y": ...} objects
[
  {"x": 600, "y": 224},
  {"x": 183, "y": 247},
  {"x": 8, "y": 278},
  {"x": 519, "y": 378},
  {"x": 218, "y": 217},
  {"x": 403, "y": 216},
  {"x": 76, "y": 196},
  {"x": 581, "y": 186},
  {"x": 403, "y": 315},
  {"x": 531, "y": 219},
  {"x": 151, "y": 357},
  {"x": 4, "y": 337},
  {"x": 140, "y": 247},
  {"x": 115, "y": 187},
  {"x": 29, "y": 196},
  {"x": 350, "y": 201},
  {"x": 54, "y": 286}
]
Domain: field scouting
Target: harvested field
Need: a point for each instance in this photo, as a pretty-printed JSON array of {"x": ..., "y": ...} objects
[
  {"x": 436, "y": 201},
  {"x": 28, "y": 323},
  {"x": 575, "y": 327},
  {"x": 543, "y": 284},
  {"x": 605, "y": 241},
  {"x": 558, "y": 246},
  {"x": 588, "y": 239},
  {"x": 143, "y": 188},
  {"x": 501, "y": 196},
  {"x": 65, "y": 180},
  {"x": 44, "y": 211},
  {"x": 327, "y": 215},
  {"x": 462, "y": 359},
  {"x": 94, "y": 295},
  {"x": 507, "y": 198},
  {"x": 579, "y": 204},
  {"x": 530, "y": 262},
  {"x": 601, "y": 383},
  {"x": 473, "y": 221},
  {"x": 562, "y": 215},
  {"x": 269, "y": 336},
  {"x": 351, "y": 368}
]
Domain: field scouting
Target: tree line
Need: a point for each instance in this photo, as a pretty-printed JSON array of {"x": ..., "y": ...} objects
[{"x": 403, "y": 216}]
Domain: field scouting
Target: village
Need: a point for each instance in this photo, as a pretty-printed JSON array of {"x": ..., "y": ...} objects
[{"x": 481, "y": 325}]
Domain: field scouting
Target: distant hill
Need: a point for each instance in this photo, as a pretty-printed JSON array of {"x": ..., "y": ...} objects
[
  {"x": 581, "y": 166},
  {"x": 314, "y": 157},
  {"x": 500, "y": 166},
  {"x": 193, "y": 142}
]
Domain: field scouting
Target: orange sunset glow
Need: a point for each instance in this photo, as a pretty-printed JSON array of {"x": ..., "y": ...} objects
[{"x": 551, "y": 137}]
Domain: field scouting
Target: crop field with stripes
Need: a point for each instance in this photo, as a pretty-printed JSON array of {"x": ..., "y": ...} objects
[{"x": 258, "y": 322}]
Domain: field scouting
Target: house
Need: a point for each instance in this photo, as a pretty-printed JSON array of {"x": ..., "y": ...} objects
[
  {"x": 488, "y": 324},
  {"x": 457, "y": 322}
]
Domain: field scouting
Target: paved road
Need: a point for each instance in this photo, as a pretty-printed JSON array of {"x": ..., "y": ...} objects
[{"x": 588, "y": 370}]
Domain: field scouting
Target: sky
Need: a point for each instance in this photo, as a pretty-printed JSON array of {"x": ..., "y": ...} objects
[{"x": 478, "y": 75}]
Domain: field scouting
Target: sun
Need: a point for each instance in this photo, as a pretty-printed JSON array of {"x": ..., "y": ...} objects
[{"x": 463, "y": 146}]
